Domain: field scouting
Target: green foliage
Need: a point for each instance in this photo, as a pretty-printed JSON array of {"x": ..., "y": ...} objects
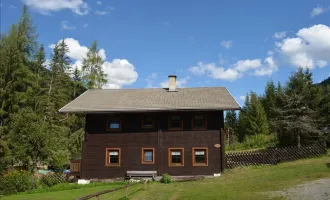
[
  {"x": 17, "y": 181},
  {"x": 297, "y": 118},
  {"x": 166, "y": 178},
  {"x": 92, "y": 68},
  {"x": 59, "y": 159},
  {"x": 29, "y": 137}
]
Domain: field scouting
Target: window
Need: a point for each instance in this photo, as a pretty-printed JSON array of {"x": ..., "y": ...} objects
[
  {"x": 199, "y": 122},
  {"x": 148, "y": 155},
  {"x": 175, "y": 123},
  {"x": 200, "y": 156},
  {"x": 148, "y": 122},
  {"x": 114, "y": 125},
  {"x": 175, "y": 157},
  {"x": 112, "y": 157}
]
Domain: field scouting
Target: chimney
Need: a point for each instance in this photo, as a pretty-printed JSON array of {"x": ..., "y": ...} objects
[{"x": 172, "y": 83}]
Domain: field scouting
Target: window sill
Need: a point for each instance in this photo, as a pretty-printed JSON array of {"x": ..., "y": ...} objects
[
  {"x": 148, "y": 163},
  {"x": 200, "y": 165},
  {"x": 112, "y": 165},
  {"x": 178, "y": 165}
]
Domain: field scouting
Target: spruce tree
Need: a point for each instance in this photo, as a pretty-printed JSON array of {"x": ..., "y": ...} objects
[
  {"x": 296, "y": 114},
  {"x": 231, "y": 124}
]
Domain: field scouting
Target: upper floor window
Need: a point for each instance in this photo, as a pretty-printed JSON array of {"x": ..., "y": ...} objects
[
  {"x": 112, "y": 157},
  {"x": 175, "y": 123},
  {"x": 114, "y": 124},
  {"x": 199, "y": 122},
  {"x": 148, "y": 122}
]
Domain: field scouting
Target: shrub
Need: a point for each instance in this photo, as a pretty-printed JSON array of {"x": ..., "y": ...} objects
[
  {"x": 258, "y": 141},
  {"x": 53, "y": 179},
  {"x": 17, "y": 181},
  {"x": 166, "y": 178}
]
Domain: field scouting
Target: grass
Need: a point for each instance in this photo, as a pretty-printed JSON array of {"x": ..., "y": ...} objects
[{"x": 240, "y": 183}]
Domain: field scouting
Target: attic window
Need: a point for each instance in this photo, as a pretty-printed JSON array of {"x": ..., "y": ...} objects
[
  {"x": 114, "y": 124},
  {"x": 148, "y": 122},
  {"x": 175, "y": 123},
  {"x": 199, "y": 122}
]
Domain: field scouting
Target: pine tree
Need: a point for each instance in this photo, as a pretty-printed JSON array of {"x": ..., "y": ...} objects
[
  {"x": 93, "y": 74},
  {"x": 296, "y": 116},
  {"x": 78, "y": 85}
]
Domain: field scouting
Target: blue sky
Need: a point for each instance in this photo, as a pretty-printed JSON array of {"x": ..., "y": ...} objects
[{"x": 237, "y": 44}]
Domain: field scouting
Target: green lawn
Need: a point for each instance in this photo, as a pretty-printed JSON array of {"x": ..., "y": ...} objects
[{"x": 240, "y": 183}]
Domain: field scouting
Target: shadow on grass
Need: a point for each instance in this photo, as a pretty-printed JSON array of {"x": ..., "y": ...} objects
[
  {"x": 130, "y": 194},
  {"x": 328, "y": 165}
]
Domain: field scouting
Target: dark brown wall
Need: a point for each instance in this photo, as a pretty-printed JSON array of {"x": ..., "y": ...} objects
[{"x": 132, "y": 138}]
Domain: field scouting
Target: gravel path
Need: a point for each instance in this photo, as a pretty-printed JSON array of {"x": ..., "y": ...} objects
[{"x": 313, "y": 190}]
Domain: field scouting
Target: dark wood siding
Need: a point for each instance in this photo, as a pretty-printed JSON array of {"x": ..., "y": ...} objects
[{"x": 132, "y": 138}]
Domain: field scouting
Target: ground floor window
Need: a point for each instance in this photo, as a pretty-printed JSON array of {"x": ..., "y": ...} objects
[
  {"x": 112, "y": 157},
  {"x": 148, "y": 155},
  {"x": 175, "y": 156},
  {"x": 200, "y": 156}
]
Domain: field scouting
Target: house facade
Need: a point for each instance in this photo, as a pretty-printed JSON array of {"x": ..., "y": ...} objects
[{"x": 172, "y": 130}]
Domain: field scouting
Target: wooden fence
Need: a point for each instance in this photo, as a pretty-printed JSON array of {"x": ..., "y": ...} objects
[{"x": 273, "y": 156}]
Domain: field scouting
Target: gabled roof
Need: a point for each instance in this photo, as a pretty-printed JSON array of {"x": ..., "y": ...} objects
[{"x": 153, "y": 99}]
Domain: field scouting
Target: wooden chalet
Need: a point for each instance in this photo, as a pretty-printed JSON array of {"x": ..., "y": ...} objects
[{"x": 163, "y": 130}]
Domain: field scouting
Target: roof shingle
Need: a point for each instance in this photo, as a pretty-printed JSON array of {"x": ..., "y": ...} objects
[{"x": 153, "y": 99}]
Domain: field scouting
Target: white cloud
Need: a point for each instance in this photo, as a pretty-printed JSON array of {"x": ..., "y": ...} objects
[
  {"x": 47, "y": 6},
  {"x": 311, "y": 47},
  {"x": 85, "y": 25},
  {"x": 246, "y": 65},
  {"x": 99, "y": 2},
  {"x": 120, "y": 72},
  {"x": 237, "y": 70},
  {"x": 269, "y": 67},
  {"x": 242, "y": 98},
  {"x": 227, "y": 44},
  {"x": 180, "y": 83},
  {"x": 65, "y": 25},
  {"x": 12, "y": 6},
  {"x": 215, "y": 72},
  {"x": 280, "y": 35},
  {"x": 318, "y": 11},
  {"x": 99, "y": 12}
]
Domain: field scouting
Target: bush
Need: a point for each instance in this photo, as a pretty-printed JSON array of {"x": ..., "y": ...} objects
[
  {"x": 52, "y": 179},
  {"x": 259, "y": 141},
  {"x": 17, "y": 181},
  {"x": 166, "y": 178}
]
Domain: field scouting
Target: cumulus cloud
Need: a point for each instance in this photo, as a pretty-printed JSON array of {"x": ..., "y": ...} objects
[
  {"x": 99, "y": 2},
  {"x": 318, "y": 11},
  {"x": 179, "y": 82},
  {"x": 280, "y": 35},
  {"x": 45, "y": 7},
  {"x": 235, "y": 71},
  {"x": 242, "y": 98},
  {"x": 227, "y": 44},
  {"x": 311, "y": 47},
  {"x": 65, "y": 25},
  {"x": 120, "y": 72}
]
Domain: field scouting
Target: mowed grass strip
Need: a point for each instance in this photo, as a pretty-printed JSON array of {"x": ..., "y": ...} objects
[{"x": 240, "y": 183}]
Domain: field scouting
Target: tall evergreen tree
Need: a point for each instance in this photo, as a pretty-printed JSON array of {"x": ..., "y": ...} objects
[
  {"x": 296, "y": 116},
  {"x": 93, "y": 73}
]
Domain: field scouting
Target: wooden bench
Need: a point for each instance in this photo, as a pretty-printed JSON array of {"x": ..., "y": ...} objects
[{"x": 141, "y": 174}]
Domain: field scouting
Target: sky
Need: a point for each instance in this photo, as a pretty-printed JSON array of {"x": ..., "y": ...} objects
[{"x": 239, "y": 44}]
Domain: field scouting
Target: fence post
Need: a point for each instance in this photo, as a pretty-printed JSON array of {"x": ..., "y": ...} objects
[{"x": 145, "y": 184}]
